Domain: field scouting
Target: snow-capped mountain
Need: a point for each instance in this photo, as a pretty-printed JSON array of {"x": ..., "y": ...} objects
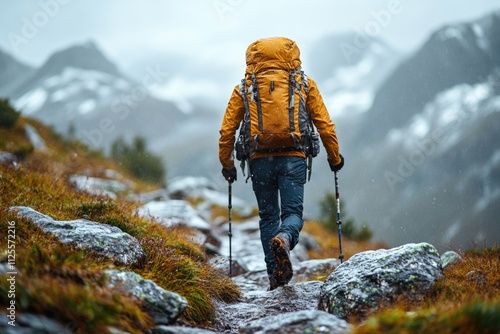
[
  {"x": 460, "y": 53},
  {"x": 349, "y": 72},
  {"x": 425, "y": 164},
  {"x": 79, "y": 90}
]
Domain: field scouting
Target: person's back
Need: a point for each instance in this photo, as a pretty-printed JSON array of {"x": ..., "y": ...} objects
[{"x": 277, "y": 106}]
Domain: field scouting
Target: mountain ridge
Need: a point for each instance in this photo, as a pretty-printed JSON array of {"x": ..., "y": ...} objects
[{"x": 433, "y": 68}]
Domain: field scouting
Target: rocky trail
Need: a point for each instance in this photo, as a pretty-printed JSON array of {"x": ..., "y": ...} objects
[{"x": 354, "y": 288}]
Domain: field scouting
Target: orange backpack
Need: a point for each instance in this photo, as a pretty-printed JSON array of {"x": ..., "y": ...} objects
[
  {"x": 274, "y": 93},
  {"x": 276, "y": 118}
]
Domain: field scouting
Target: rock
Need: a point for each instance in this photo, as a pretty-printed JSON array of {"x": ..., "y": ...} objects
[
  {"x": 179, "y": 330},
  {"x": 259, "y": 304},
  {"x": 450, "y": 257},
  {"x": 97, "y": 186},
  {"x": 477, "y": 277},
  {"x": 104, "y": 239},
  {"x": 204, "y": 189},
  {"x": 8, "y": 159},
  {"x": 222, "y": 263},
  {"x": 310, "y": 269},
  {"x": 163, "y": 306},
  {"x": 308, "y": 321},
  {"x": 252, "y": 281},
  {"x": 34, "y": 138},
  {"x": 174, "y": 212},
  {"x": 368, "y": 279},
  {"x": 309, "y": 242},
  {"x": 26, "y": 323},
  {"x": 155, "y": 195},
  {"x": 188, "y": 186}
]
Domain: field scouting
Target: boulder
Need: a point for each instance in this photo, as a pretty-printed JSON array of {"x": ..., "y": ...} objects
[
  {"x": 369, "y": 279},
  {"x": 106, "y": 240},
  {"x": 8, "y": 159},
  {"x": 98, "y": 186},
  {"x": 307, "y": 321},
  {"x": 26, "y": 323},
  {"x": 450, "y": 257},
  {"x": 163, "y": 306},
  {"x": 174, "y": 212},
  {"x": 222, "y": 263}
]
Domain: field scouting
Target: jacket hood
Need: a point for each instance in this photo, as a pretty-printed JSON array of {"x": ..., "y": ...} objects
[{"x": 273, "y": 52}]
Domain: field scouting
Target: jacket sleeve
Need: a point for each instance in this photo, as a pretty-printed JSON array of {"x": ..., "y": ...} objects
[
  {"x": 322, "y": 121},
  {"x": 230, "y": 123}
]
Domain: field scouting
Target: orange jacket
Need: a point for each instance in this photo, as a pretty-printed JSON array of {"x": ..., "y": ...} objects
[{"x": 277, "y": 52}]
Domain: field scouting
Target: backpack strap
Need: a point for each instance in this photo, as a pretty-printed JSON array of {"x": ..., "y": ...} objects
[
  {"x": 256, "y": 97},
  {"x": 245, "y": 153},
  {"x": 305, "y": 84},
  {"x": 291, "y": 99}
]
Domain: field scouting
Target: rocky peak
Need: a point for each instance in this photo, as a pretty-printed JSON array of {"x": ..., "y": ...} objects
[{"x": 86, "y": 56}]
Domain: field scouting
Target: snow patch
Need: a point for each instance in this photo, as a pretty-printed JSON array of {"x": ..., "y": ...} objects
[
  {"x": 481, "y": 40},
  {"x": 181, "y": 91},
  {"x": 447, "y": 113},
  {"x": 32, "y": 101},
  {"x": 87, "y": 106},
  {"x": 455, "y": 32},
  {"x": 72, "y": 81},
  {"x": 347, "y": 101}
]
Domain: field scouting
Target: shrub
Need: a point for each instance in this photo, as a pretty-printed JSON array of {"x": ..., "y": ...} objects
[
  {"x": 8, "y": 115},
  {"x": 137, "y": 160},
  {"x": 328, "y": 206}
]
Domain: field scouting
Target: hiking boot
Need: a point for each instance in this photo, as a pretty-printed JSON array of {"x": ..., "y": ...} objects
[
  {"x": 272, "y": 283},
  {"x": 280, "y": 247}
]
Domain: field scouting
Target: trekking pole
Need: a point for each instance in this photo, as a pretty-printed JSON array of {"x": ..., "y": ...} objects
[
  {"x": 339, "y": 222},
  {"x": 229, "y": 206}
]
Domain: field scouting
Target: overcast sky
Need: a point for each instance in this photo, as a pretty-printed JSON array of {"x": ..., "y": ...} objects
[{"x": 213, "y": 33}]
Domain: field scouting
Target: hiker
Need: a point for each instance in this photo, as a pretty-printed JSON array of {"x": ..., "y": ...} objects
[{"x": 276, "y": 106}]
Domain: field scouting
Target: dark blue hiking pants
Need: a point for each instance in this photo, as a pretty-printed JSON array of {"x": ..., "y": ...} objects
[{"x": 275, "y": 181}]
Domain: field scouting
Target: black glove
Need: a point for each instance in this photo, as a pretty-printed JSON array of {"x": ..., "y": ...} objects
[
  {"x": 336, "y": 168},
  {"x": 229, "y": 174}
]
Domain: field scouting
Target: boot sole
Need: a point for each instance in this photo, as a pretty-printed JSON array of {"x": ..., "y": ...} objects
[{"x": 283, "y": 271}]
